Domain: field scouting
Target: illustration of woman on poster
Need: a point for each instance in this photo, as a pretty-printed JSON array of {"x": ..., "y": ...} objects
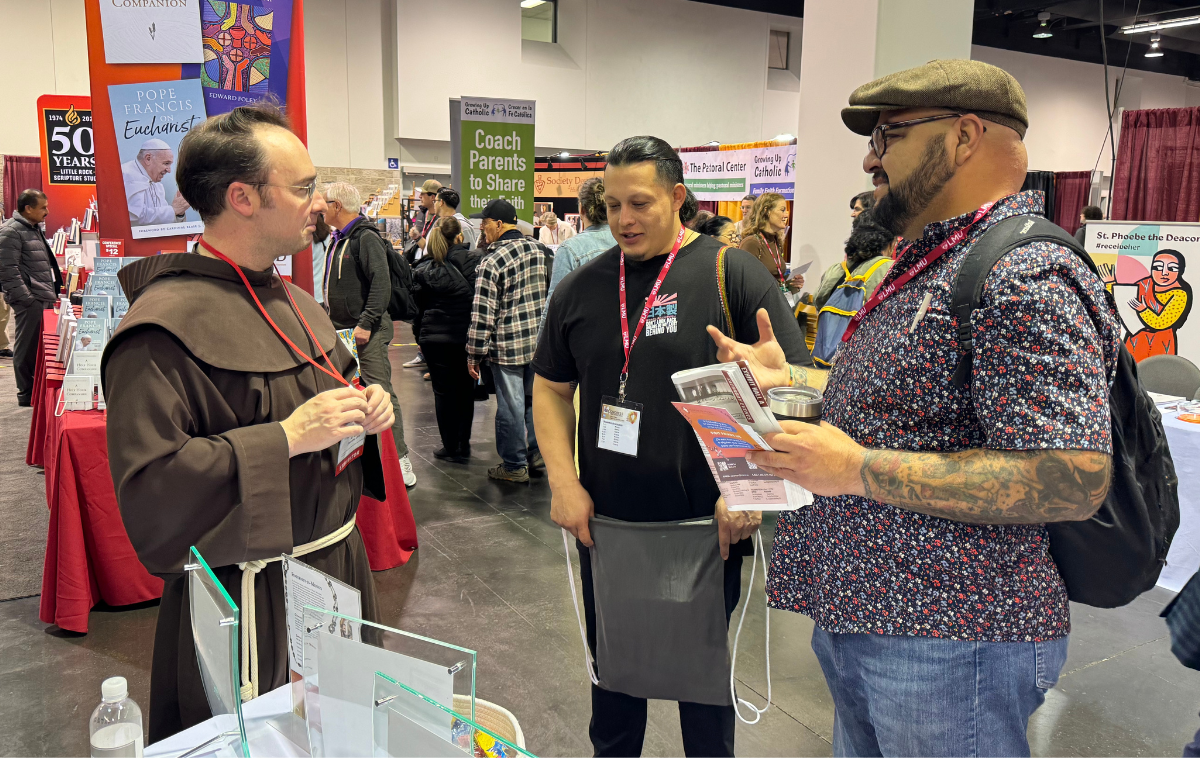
[{"x": 1163, "y": 303}]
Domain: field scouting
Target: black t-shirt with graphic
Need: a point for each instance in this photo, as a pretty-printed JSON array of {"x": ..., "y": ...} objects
[{"x": 581, "y": 342}]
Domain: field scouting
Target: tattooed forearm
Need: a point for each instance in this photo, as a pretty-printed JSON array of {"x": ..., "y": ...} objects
[
  {"x": 813, "y": 377},
  {"x": 984, "y": 486}
]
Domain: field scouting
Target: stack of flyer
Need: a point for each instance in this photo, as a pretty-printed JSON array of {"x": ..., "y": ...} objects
[{"x": 729, "y": 414}]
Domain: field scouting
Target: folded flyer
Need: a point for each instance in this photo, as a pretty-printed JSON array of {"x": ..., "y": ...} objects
[{"x": 728, "y": 412}]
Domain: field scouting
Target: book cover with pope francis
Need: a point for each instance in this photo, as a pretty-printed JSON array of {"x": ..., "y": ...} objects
[{"x": 150, "y": 119}]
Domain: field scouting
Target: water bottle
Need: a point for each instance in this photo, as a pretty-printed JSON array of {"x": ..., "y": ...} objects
[{"x": 116, "y": 724}]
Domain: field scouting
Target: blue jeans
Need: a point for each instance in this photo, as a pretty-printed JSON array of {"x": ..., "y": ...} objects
[
  {"x": 905, "y": 696},
  {"x": 514, "y": 416}
]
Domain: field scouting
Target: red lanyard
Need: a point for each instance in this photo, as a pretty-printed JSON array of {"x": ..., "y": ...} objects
[
  {"x": 335, "y": 374},
  {"x": 625, "y": 339},
  {"x": 883, "y": 293},
  {"x": 777, "y": 257}
]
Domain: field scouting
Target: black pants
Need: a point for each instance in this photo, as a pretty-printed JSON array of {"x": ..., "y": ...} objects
[
  {"x": 618, "y": 725},
  {"x": 29, "y": 328},
  {"x": 453, "y": 392}
]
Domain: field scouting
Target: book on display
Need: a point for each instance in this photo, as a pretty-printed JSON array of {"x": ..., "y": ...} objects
[
  {"x": 120, "y": 306},
  {"x": 90, "y": 334},
  {"x": 97, "y": 306},
  {"x": 110, "y": 266},
  {"x": 103, "y": 284},
  {"x": 78, "y": 392},
  {"x": 86, "y": 363}
]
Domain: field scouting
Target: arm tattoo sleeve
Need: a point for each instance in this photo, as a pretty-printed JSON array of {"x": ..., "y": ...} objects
[
  {"x": 813, "y": 377},
  {"x": 983, "y": 486}
]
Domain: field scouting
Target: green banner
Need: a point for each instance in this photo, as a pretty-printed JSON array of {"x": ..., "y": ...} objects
[{"x": 497, "y": 154}]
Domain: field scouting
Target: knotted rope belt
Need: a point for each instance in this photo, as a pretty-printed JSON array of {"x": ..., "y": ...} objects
[{"x": 250, "y": 569}]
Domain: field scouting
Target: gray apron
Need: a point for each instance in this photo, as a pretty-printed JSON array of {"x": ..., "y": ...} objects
[
  {"x": 636, "y": 612},
  {"x": 659, "y": 589}
]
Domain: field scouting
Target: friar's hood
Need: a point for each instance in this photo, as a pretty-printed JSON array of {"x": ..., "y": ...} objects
[{"x": 204, "y": 304}]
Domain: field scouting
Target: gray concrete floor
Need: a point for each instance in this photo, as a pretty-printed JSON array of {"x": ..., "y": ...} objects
[{"x": 490, "y": 576}]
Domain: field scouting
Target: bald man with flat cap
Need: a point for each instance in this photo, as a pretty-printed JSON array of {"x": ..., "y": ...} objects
[
  {"x": 940, "y": 617},
  {"x": 145, "y": 195}
]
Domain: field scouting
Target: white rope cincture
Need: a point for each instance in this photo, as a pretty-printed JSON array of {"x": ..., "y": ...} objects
[
  {"x": 250, "y": 569},
  {"x": 758, "y": 712},
  {"x": 587, "y": 651}
]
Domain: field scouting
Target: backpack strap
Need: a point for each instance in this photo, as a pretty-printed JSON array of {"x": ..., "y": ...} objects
[
  {"x": 723, "y": 290},
  {"x": 996, "y": 242}
]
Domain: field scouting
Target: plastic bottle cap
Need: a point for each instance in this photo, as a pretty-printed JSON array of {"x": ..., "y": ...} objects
[{"x": 114, "y": 688}]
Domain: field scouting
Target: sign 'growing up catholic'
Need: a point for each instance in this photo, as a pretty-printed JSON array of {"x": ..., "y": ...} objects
[{"x": 497, "y": 154}]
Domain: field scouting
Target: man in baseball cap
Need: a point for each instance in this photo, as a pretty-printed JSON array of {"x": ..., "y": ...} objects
[
  {"x": 510, "y": 293},
  {"x": 940, "y": 617}
]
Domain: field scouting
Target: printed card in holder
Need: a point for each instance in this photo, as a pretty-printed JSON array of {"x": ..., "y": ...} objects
[
  {"x": 348, "y": 450},
  {"x": 304, "y": 585},
  {"x": 620, "y": 424}
]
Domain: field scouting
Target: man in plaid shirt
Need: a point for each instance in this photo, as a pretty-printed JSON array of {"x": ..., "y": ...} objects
[{"x": 510, "y": 293}]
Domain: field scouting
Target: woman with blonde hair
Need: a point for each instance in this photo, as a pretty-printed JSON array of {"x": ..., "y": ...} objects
[
  {"x": 444, "y": 287},
  {"x": 764, "y": 238}
]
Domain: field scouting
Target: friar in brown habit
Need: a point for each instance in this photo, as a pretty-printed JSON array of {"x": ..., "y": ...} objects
[{"x": 220, "y": 434}]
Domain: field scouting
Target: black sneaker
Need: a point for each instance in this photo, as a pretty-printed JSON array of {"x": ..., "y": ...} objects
[
  {"x": 6, "y": 353},
  {"x": 453, "y": 456},
  {"x": 26, "y": 402},
  {"x": 499, "y": 473}
]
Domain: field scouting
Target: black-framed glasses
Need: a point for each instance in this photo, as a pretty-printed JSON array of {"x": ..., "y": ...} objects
[
  {"x": 310, "y": 189},
  {"x": 878, "y": 141}
]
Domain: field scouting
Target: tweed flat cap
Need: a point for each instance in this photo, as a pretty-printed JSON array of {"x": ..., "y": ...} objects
[{"x": 968, "y": 86}]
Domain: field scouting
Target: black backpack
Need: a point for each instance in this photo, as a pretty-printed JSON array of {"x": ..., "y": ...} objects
[
  {"x": 1118, "y": 553},
  {"x": 402, "y": 306}
]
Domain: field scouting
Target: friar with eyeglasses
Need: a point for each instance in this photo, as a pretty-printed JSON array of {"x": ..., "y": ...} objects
[{"x": 231, "y": 424}]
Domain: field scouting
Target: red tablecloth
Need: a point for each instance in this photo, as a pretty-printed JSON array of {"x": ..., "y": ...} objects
[{"x": 88, "y": 554}]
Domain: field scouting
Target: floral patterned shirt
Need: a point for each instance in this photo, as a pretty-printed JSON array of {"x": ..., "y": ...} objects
[{"x": 1045, "y": 343}]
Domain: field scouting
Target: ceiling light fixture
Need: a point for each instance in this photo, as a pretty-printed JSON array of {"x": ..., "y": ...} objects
[
  {"x": 1155, "y": 51},
  {"x": 532, "y": 3},
  {"x": 564, "y": 154},
  {"x": 784, "y": 137},
  {"x": 1043, "y": 30},
  {"x": 1154, "y": 26}
]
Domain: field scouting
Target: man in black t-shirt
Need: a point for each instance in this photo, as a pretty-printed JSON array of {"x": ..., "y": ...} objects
[{"x": 582, "y": 342}]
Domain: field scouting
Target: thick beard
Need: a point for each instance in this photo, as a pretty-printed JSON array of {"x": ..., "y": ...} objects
[{"x": 909, "y": 199}]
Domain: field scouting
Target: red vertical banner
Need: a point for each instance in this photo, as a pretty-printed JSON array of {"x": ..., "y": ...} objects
[
  {"x": 68, "y": 156},
  {"x": 110, "y": 186}
]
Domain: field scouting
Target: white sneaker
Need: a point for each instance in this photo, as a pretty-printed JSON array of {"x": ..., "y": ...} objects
[
  {"x": 418, "y": 362},
  {"x": 410, "y": 476}
]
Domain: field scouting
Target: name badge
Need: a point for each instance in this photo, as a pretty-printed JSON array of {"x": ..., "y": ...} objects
[
  {"x": 349, "y": 449},
  {"x": 620, "y": 423}
]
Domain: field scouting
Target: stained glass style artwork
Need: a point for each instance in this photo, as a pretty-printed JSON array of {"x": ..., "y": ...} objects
[{"x": 237, "y": 46}]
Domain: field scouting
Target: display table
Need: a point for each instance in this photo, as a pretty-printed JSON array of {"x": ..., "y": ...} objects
[
  {"x": 260, "y": 714},
  {"x": 1184, "y": 558},
  {"x": 88, "y": 554}
]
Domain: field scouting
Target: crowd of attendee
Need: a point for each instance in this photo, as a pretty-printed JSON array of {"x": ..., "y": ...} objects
[{"x": 941, "y": 618}]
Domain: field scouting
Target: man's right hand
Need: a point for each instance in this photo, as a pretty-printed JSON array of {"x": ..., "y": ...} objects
[
  {"x": 570, "y": 508},
  {"x": 324, "y": 420},
  {"x": 413, "y": 232},
  {"x": 179, "y": 205}
]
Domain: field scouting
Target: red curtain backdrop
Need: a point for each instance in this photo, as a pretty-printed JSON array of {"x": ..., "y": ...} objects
[
  {"x": 1158, "y": 166},
  {"x": 21, "y": 172},
  {"x": 1071, "y": 191}
]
